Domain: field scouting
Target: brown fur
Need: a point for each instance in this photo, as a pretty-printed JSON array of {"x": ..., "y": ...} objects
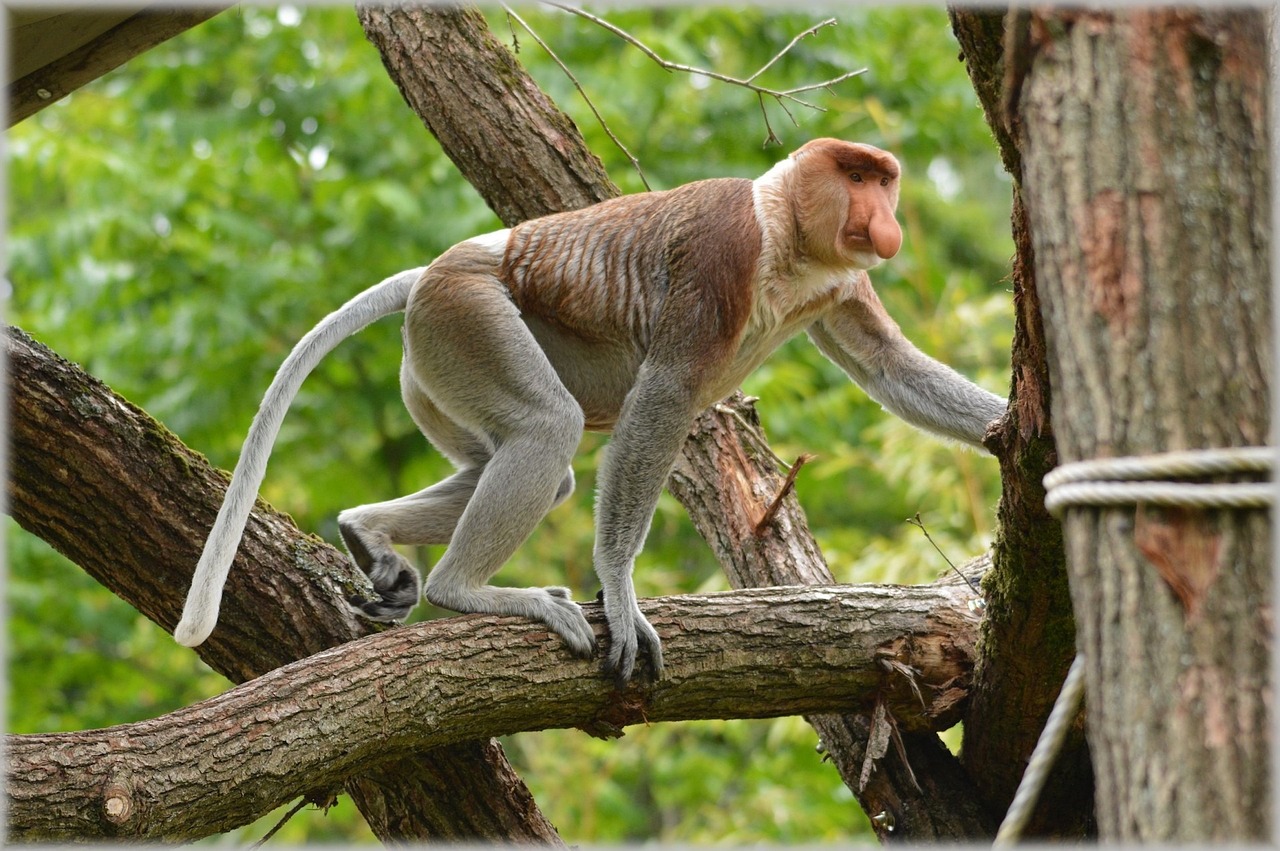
[{"x": 649, "y": 247}]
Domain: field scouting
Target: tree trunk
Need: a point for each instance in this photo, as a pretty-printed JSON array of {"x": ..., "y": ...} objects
[
  {"x": 311, "y": 725},
  {"x": 1028, "y": 638},
  {"x": 1147, "y": 177}
]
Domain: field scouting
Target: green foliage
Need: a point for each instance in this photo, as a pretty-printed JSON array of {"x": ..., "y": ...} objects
[{"x": 177, "y": 225}]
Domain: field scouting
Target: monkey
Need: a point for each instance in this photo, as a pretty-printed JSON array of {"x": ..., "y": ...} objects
[{"x": 628, "y": 317}]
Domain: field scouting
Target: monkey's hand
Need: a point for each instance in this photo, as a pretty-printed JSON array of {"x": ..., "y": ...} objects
[{"x": 629, "y": 632}]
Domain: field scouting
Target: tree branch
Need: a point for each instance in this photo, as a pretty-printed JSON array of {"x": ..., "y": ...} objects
[
  {"x": 136, "y": 34},
  {"x": 113, "y": 491},
  {"x": 780, "y": 96},
  {"x": 524, "y": 156},
  {"x": 313, "y": 724},
  {"x": 635, "y": 163}
]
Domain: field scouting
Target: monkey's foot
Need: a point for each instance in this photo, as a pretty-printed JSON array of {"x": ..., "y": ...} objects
[
  {"x": 396, "y": 582},
  {"x": 629, "y": 635},
  {"x": 551, "y": 606},
  {"x": 567, "y": 621}
]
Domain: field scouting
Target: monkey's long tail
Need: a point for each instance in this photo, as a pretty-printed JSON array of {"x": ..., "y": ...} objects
[{"x": 200, "y": 613}]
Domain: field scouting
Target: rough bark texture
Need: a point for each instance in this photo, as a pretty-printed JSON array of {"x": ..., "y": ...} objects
[
  {"x": 1028, "y": 639},
  {"x": 112, "y": 490},
  {"x": 569, "y": 176},
  {"x": 1147, "y": 174},
  {"x": 728, "y": 480},
  {"x": 311, "y": 725}
]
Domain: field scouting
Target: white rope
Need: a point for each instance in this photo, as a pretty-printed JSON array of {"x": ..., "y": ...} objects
[
  {"x": 1046, "y": 751},
  {"x": 1124, "y": 481}
]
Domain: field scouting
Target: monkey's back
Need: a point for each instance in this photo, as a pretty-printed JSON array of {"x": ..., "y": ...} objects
[{"x": 604, "y": 272}]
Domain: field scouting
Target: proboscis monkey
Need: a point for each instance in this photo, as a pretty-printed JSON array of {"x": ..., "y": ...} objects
[{"x": 630, "y": 317}]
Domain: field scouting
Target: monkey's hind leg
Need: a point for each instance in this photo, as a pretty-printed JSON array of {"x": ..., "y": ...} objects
[
  {"x": 482, "y": 367},
  {"x": 426, "y": 517}
]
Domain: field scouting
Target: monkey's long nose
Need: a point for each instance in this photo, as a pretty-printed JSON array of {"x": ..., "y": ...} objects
[{"x": 886, "y": 236}]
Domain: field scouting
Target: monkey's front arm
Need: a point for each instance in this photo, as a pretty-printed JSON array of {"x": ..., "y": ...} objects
[
  {"x": 860, "y": 337},
  {"x": 654, "y": 424}
]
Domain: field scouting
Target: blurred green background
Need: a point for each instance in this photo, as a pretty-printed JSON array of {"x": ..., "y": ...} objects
[{"x": 179, "y": 224}]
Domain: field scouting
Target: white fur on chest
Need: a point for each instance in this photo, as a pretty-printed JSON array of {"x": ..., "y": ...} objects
[{"x": 786, "y": 283}]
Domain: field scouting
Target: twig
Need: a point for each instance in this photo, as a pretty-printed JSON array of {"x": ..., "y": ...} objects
[
  {"x": 787, "y": 485},
  {"x": 916, "y": 521},
  {"x": 813, "y": 29},
  {"x": 778, "y": 95},
  {"x": 285, "y": 818},
  {"x": 635, "y": 163}
]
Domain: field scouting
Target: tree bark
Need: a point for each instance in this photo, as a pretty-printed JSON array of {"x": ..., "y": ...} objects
[
  {"x": 481, "y": 148},
  {"x": 1028, "y": 638},
  {"x": 116, "y": 493},
  {"x": 1147, "y": 175},
  {"x": 311, "y": 725},
  {"x": 522, "y": 154}
]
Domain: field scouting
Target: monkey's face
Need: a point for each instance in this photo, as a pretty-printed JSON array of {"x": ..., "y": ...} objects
[
  {"x": 870, "y": 233},
  {"x": 848, "y": 197}
]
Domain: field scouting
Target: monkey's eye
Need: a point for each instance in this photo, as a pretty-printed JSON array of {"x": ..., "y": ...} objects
[
  {"x": 884, "y": 181},
  {"x": 855, "y": 177}
]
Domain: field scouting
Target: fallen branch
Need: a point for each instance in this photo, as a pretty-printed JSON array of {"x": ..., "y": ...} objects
[{"x": 311, "y": 725}]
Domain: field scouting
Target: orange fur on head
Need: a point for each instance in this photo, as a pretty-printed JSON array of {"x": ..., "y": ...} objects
[{"x": 850, "y": 192}]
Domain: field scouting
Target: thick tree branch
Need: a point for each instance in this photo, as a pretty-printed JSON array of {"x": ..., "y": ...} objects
[
  {"x": 109, "y": 50},
  {"x": 112, "y": 490},
  {"x": 311, "y": 725},
  {"x": 523, "y": 155}
]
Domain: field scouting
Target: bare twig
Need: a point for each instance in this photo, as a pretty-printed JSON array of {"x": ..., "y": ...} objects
[
  {"x": 780, "y": 96},
  {"x": 787, "y": 485},
  {"x": 783, "y": 52},
  {"x": 916, "y": 521},
  {"x": 283, "y": 820},
  {"x": 635, "y": 163}
]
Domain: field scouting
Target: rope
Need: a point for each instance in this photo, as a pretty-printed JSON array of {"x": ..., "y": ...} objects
[
  {"x": 1122, "y": 481},
  {"x": 1046, "y": 751}
]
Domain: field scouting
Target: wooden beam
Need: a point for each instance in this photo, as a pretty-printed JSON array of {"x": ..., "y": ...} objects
[{"x": 102, "y": 50}]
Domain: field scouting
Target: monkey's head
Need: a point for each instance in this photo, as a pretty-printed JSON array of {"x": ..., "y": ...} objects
[{"x": 846, "y": 195}]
